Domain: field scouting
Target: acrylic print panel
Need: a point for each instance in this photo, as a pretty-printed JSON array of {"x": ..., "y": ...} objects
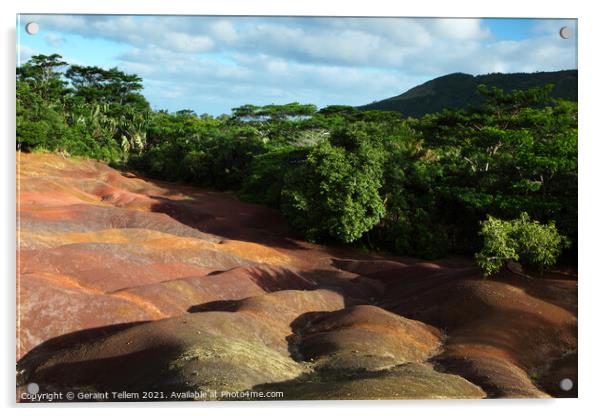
[{"x": 290, "y": 208}]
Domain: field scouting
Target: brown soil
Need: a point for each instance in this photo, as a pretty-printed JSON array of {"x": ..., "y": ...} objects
[{"x": 130, "y": 284}]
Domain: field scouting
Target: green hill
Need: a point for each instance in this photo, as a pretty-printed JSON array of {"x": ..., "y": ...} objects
[{"x": 459, "y": 90}]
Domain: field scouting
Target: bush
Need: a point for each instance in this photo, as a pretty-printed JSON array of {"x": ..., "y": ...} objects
[
  {"x": 229, "y": 157},
  {"x": 334, "y": 193},
  {"x": 523, "y": 240},
  {"x": 416, "y": 234},
  {"x": 162, "y": 162},
  {"x": 264, "y": 181}
]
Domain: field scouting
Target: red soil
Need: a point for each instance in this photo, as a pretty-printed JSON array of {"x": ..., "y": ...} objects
[{"x": 126, "y": 282}]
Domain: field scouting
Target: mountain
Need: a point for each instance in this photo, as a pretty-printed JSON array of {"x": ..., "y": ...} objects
[{"x": 459, "y": 90}]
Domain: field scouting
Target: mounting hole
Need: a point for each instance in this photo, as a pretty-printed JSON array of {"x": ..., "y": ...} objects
[
  {"x": 565, "y": 32},
  {"x": 32, "y": 28},
  {"x": 566, "y": 384},
  {"x": 33, "y": 388}
]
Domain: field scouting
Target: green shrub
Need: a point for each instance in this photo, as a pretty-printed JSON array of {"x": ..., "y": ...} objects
[
  {"x": 416, "y": 234},
  {"x": 523, "y": 240},
  {"x": 163, "y": 162},
  {"x": 334, "y": 193},
  {"x": 264, "y": 181},
  {"x": 195, "y": 167}
]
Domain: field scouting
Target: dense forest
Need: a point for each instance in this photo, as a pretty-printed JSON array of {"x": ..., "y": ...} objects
[{"x": 498, "y": 180}]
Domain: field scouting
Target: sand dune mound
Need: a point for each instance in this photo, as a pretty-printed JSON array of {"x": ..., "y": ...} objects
[
  {"x": 215, "y": 349},
  {"x": 500, "y": 332},
  {"x": 218, "y": 349},
  {"x": 364, "y": 337},
  {"x": 124, "y": 283},
  {"x": 410, "y": 381}
]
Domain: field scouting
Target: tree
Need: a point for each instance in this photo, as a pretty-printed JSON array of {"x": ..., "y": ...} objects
[
  {"x": 411, "y": 225},
  {"x": 265, "y": 179},
  {"x": 79, "y": 110},
  {"x": 43, "y": 75},
  {"x": 109, "y": 86},
  {"x": 517, "y": 153},
  {"x": 123, "y": 115},
  {"x": 529, "y": 242},
  {"x": 273, "y": 112},
  {"x": 334, "y": 193},
  {"x": 40, "y": 103}
]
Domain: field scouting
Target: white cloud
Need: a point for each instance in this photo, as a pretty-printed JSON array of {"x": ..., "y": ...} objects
[
  {"x": 24, "y": 53},
  {"x": 183, "y": 42},
  {"x": 53, "y": 39},
  {"x": 459, "y": 29},
  {"x": 61, "y": 22},
  {"x": 221, "y": 62},
  {"x": 224, "y": 31},
  {"x": 204, "y": 83},
  {"x": 136, "y": 31}
]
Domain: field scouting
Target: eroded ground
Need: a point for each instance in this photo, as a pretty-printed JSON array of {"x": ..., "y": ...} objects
[{"x": 137, "y": 285}]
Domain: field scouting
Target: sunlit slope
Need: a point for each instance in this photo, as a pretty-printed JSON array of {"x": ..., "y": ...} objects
[{"x": 130, "y": 284}]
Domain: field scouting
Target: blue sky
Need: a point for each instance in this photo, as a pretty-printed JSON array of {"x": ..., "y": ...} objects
[{"x": 212, "y": 64}]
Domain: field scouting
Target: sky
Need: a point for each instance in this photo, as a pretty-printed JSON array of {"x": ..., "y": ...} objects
[{"x": 211, "y": 64}]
